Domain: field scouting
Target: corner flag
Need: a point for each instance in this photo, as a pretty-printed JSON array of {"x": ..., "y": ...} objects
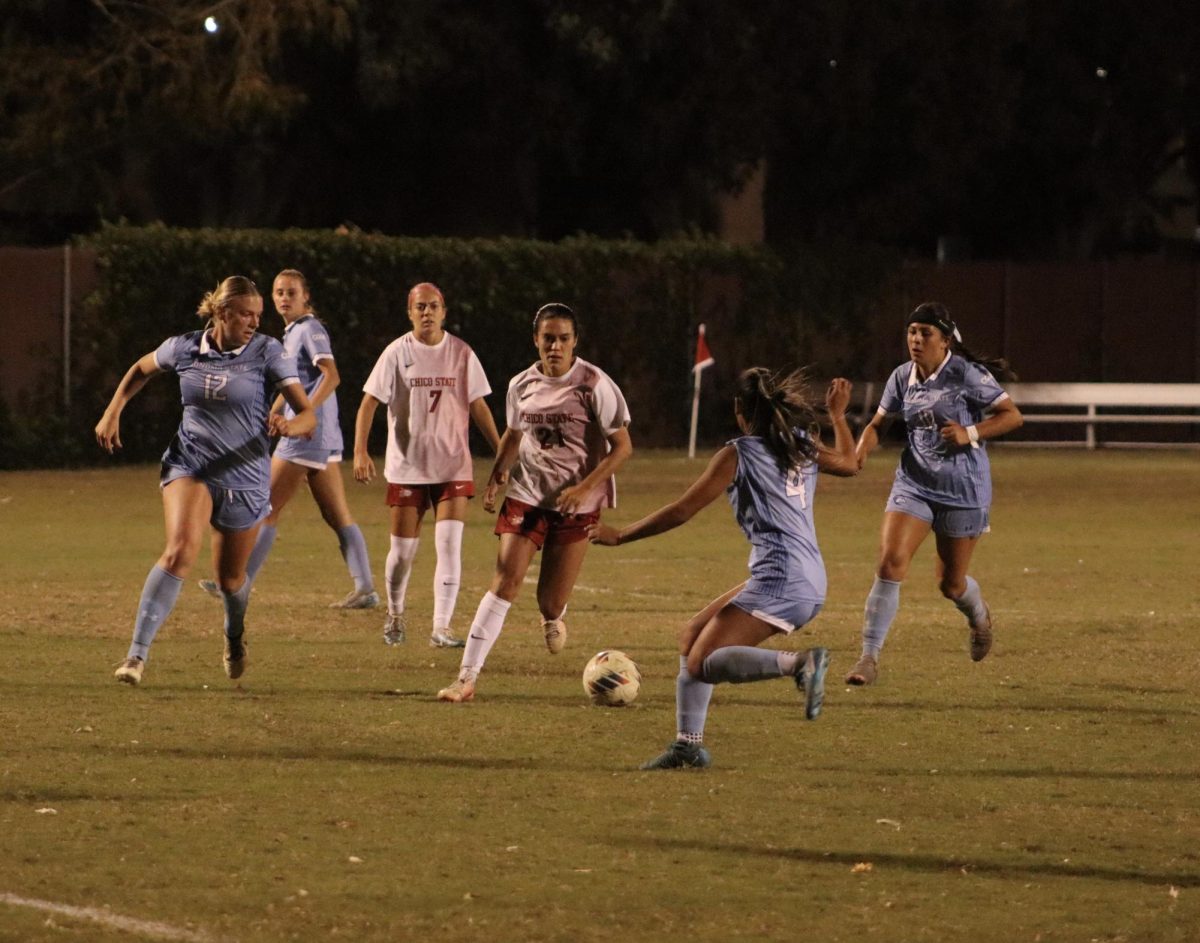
[{"x": 704, "y": 358}]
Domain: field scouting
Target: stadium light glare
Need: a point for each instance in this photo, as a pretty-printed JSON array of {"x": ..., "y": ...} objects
[{"x": 211, "y": 25}]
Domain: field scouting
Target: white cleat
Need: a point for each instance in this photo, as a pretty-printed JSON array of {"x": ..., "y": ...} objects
[
  {"x": 555, "y": 631},
  {"x": 130, "y": 671},
  {"x": 459, "y": 692},
  {"x": 393, "y": 630},
  {"x": 211, "y": 587},
  {"x": 445, "y": 638}
]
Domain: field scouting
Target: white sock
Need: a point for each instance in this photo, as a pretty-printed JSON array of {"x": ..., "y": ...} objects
[
  {"x": 447, "y": 575},
  {"x": 397, "y": 570},
  {"x": 489, "y": 621}
]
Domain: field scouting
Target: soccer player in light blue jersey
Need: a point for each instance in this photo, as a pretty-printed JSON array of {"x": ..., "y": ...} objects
[
  {"x": 315, "y": 458},
  {"x": 951, "y": 402},
  {"x": 216, "y": 471},
  {"x": 770, "y": 476}
]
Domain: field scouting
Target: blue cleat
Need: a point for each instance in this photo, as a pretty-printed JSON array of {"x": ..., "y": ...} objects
[
  {"x": 357, "y": 599},
  {"x": 811, "y": 680},
  {"x": 681, "y": 755}
]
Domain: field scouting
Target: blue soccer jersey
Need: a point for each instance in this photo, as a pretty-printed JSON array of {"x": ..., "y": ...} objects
[
  {"x": 958, "y": 391},
  {"x": 775, "y": 511},
  {"x": 222, "y": 438},
  {"x": 307, "y": 340}
]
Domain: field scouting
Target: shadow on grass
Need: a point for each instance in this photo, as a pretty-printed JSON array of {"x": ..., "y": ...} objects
[
  {"x": 309, "y": 754},
  {"x": 1044, "y": 772},
  {"x": 922, "y": 863}
]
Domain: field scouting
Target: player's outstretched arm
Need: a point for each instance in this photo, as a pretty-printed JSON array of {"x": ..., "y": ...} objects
[
  {"x": 841, "y": 459},
  {"x": 108, "y": 429},
  {"x": 702, "y": 492}
]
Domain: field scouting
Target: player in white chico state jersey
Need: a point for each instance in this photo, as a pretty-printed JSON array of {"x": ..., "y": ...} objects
[
  {"x": 314, "y": 460},
  {"x": 567, "y": 435},
  {"x": 433, "y": 386},
  {"x": 770, "y": 476},
  {"x": 217, "y": 470}
]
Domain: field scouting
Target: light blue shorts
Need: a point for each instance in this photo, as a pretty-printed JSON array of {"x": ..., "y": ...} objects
[
  {"x": 231, "y": 510},
  {"x": 301, "y": 452},
  {"x": 946, "y": 520},
  {"x": 781, "y": 612}
]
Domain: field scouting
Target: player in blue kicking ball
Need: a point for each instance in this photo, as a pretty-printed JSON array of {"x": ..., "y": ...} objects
[
  {"x": 770, "y": 475},
  {"x": 216, "y": 473}
]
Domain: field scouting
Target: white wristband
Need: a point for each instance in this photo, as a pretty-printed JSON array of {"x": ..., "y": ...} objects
[{"x": 973, "y": 435}]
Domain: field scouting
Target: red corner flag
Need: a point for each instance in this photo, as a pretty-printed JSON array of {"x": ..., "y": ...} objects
[{"x": 703, "y": 357}]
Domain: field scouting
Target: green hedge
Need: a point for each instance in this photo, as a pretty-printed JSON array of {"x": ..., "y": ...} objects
[{"x": 639, "y": 305}]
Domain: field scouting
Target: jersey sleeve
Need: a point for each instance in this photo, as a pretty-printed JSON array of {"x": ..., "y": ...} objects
[
  {"x": 512, "y": 414},
  {"x": 477, "y": 383},
  {"x": 280, "y": 365},
  {"x": 166, "y": 354},
  {"x": 316, "y": 344},
  {"x": 382, "y": 382},
  {"x": 612, "y": 413},
  {"x": 980, "y": 386},
  {"x": 892, "y": 400}
]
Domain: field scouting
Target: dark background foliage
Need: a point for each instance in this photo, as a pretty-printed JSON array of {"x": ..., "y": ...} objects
[{"x": 1062, "y": 129}]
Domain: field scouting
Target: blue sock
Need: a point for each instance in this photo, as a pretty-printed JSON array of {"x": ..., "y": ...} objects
[
  {"x": 262, "y": 549},
  {"x": 882, "y": 603},
  {"x": 970, "y": 603},
  {"x": 737, "y": 664},
  {"x": 159, "y": 593},
  {"x": 691, "y": 704},
  {"x": 354, "y": 552},
  {"x": 235, "y": 610}
]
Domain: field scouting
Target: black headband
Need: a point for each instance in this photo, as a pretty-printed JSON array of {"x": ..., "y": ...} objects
[{"x": 924, "y": 315}]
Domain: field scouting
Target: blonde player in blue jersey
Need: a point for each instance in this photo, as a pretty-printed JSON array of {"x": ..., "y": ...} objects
[
  {"x": 216, "y": 471},
  {"x": 951, "y": 403},
  {"x": 770, "y": 475},
  {"x": 315, "y": 459}
]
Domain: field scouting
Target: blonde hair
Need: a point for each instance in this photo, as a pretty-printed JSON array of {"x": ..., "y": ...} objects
[{"x": 235, "y": 286}]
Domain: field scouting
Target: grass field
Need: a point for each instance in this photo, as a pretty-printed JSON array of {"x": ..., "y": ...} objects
[{"x": 1048, "y": 793}]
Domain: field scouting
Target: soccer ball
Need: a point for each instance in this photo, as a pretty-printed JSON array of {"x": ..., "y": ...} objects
[{"x": 611, "y": 679}]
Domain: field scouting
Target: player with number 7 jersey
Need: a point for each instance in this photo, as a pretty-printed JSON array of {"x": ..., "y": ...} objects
[{"x": 434, "y": 386}]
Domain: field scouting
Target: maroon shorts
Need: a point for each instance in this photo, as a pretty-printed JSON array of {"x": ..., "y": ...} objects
[
  {"x": 541, "y": 525},
  {"x": 423, "y": 497}
]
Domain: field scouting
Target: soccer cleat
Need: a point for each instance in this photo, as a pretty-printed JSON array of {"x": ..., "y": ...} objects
[
  {"x": 981, "y": 637},
  {"x": 357, "y": 599},
  {"x": 811, "y": 680},
  {"x": 459, "y": 692},
  {"x": 681, "y": 755},
  {"x": 393, "y": 629},
  {"x": 234, "y": 658},
  {"x": 445, "y": 638},
  {"x": 555, "y": 631},
  {"x": 865, "y": 671},
  {"x": 130, "y": 671},
  {"x": 211, "y": 587}
]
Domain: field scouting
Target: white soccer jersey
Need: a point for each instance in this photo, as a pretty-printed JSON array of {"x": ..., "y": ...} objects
[
  {"x": 428, "y": 391},
  {"x": 566, "y": 422}
]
